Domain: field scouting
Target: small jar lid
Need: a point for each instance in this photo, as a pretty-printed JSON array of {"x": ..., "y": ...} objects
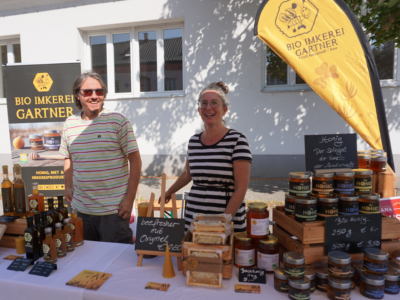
[
  {"x": 288, "y": 196},
  {"x": 300, "y": 175},
  {"x": 309, "y": 273},
  {"x": 362, "y": 172},
  {"x": 300, "y": 283},
  {"x": 322, "y": 272},
  {"x": 344, "y": 174},
  {"x": 348, "y": 198},
  {"x": 328, "y": 200},
  {"x": 294, "y": 258},
  {"x": 339, "y": 257},
  {"x": 359, "y": 267},
  {"x": 269, "y": 241},
  {"x": 372, "y": 279},
  {"x": 243, "y": 236},
  {"x": 376, "y": 254},
  {"x": 364, "y": 156},
  {"x": 378, "y": 158},
  {"x": 339, "y": 283},
  {"x": 280, "y": 273},
  {"x": 392, "y": 275},
  {"x": 373, "y": 196},
  {"x": 323, "y": 175},
  {"x": 35, "y": 136},
  {"x": 376, "y": 151},
  {"x": 394, "y": 265},
  {"x": 306, "y": 201},
  {"x": 257, "y": 205},
  {"x": 52, "y": 131}
]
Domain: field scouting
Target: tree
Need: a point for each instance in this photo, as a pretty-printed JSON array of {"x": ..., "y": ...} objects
[{"x": 380, "y": 19}]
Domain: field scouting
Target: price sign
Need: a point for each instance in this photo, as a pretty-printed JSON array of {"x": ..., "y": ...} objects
[
  {"x": 252, "y": 275},
  {"x": 20, "y": 264},
  {"x": 43, "y": 269},
  {"x": 353, "y": 234}
]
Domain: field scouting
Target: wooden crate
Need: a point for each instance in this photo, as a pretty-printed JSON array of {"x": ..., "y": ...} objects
[
  {"x": 226, "y": 268},
  {"x": 14, "y": 229},
  {"x": 310, "y": 237}
]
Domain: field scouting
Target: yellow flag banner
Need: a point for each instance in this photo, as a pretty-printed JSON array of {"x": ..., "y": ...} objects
[{"x": 324, "y": 43}]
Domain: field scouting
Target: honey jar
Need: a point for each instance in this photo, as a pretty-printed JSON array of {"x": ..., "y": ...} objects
[
  {"x": 359, "y": 268},
  {"x": 348, "y": 205},
  {"x": 322, "y": 184},
  {"x": 362, "y": 181},
  {"x": 36, "y": 141},
  {"x": 245, "y": 250},
  {"x": 343, "y": 183},
  {"x": 392, "y": 282},
  {"x": 339, "y": 264},
  {"x": 280, "y": 280},
  {"x": 294, "y": 264},
  {"x": 352, "y": 278},
  {"x": 375, "y": 261},
  {"x": 52, "y": 140},
  {"x": 327, "y": 207},
  {"x": 369, "y": 204},
  {"x": 339, "y": 288},
  {"x": 299, "y": 288},
  {"x": 363, "y": 161},
  {"x": 268, "y": 254},
  {"x": 310, "y": 274},
  {"x": 321, "y": 278},
  {"x": 305, "y": 210},
  {"x": 376, "y": 152},
  {"x": 300, "y": 184},
  {"x": 372, "y": 286},
  {"x": 378, "y": 163},
  {"x": 289, "y": 205},
  {"x": 257, "y": 220}
]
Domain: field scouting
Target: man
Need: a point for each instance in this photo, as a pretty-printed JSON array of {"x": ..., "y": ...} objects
[{"x": 97, "y": 145}]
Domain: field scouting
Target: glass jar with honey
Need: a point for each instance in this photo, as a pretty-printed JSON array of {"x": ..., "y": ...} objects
[
  {"x": 375, "y": 261},
  {"x": 377, "y": 152},
  {"x": 369, "y": 204},
  {"x": 299, "y": 288},
  {"x": 343, "y": 183},
  {"x": 321, "y": 278},
  {"x": 392, "y": 282},
  {"x": 289, "y": 205},
  {"x": 36, "y": 141},
  {"x": 339, "y": 264},
  {"x": 310, "y": 274},
  {"x": 300, "y": 184},
  {"x": 372, "y": 286},
  {"x": 245, "y": 250},
  {"x": 348, "y": 205},
  {"x": 359, "y": 268},
  {"x": 339, "y": 288},
  {"x": 52, "y": 140},
  {"x": 363, "y": 161},
  {"x": 322, "y": 184},
  {"x": 378, "y": 164},
  {"x": 268, "y": 254},
  {"x": 257, "y": 220},
  {"x": 280, "y": 280},
  {"x": 305, "y": 210},
  {"x": 362, "y": 181},
  {"x": 294, "y": 264},
  {"x": 327, "y": 207}
]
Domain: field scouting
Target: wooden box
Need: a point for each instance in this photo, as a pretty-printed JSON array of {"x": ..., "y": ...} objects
[
  {"x": 310, "y": 237},
  {"x": 384, "y": 183},
  {"x": 14, "y": 229}
]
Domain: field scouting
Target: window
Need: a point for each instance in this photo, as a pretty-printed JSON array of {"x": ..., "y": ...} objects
[
  {"x": 139, "y": 61},
  {"x": 10, "y": 52}
]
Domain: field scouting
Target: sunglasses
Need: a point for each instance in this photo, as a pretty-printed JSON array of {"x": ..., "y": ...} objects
[{"x": 89, "y": 92}]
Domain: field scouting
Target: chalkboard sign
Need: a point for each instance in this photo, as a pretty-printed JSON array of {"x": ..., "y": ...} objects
[
  {"x": 153, "y": 234},
  {"x": 43, "y": 269},
  {"x": 331, "y": 151},
  {"x": 353, "y": 234},
  {"x": 20, "y": 264},
  {"x": 252, "y": 275}
]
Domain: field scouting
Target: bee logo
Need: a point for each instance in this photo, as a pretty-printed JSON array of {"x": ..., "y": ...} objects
[
  {"x": 290, "y": 16},
  {"x": 42, "y": 82},
  {"x": 254, "y": 222}
]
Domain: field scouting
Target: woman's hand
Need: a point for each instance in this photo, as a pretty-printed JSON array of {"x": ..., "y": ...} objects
[
  {"x": 34, "y": 156},
  {"x": 168, "y": 196}
]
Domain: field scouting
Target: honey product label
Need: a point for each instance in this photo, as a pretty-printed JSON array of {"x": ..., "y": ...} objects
[
  {"x": 49, "y": 220},
  {"x": 33, "y": 204},
  {"x": 392, "y": 287},
  {"x": 19, "y": 200},
  {"x": 36, "y": 144},
  {"x": 52, "y": 143},
  {"x": 343, "y": 186},
  {"x": 245, "y": 258},
  {"x": 363, "y": 185},
  {"x": 299, "y": 189},
  {"x": 374, "y": 292},
  {"x": 322, "y": 187},
  {"x": 289, "y": 207},
  {"x": 339, "y": 272},
  {"x": 348, "y": 208},
  {"x": 327, "y": 209},
  {"x": 369, "y": 208},
  {"x": 247, "y": 289},
  {"x": 163, "y": 287},
  {"x": 59, "y": 246},
  {"x": 295, "y": 272},
  {"x": 284, "y": 286},
  {"x": 28, "y": 240},
  {"x": 7, "y": 200},
  {"x": 321, "y": 284},
  {"x": 60, "y": 217},
  {"x": 259, "y": 227},
  {"x": 267, "y": 262},
  {"x": 342, "y": 295},
  {"x": 205, "y": 264},
  {"x": 303, "y": 295},
  {"x": 46, "y": 251},
  {"x": 306, "y": 214},
  {"x": 380, "y": 268}
]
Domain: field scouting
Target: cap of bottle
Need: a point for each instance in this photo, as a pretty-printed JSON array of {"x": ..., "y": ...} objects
[
  {"x": 60, "y": 197},
  {"x": 48, "y": 230},
  {"x": 37, "y": 216},
  {"x": 58, "y": 225},
  {"x": 66, "y": 221}
]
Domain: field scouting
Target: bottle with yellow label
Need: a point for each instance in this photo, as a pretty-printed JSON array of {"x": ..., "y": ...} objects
[
  {"x": 49, "y": 247},
  {"x": 60, "y": 241},
  {"x": 69, "y": 235},
  {"x": 35, "y": 200},
  {"x": 61, "y": 210},
  {"x": 6, "y": 193},
  {"x": 52, "y": 217}
]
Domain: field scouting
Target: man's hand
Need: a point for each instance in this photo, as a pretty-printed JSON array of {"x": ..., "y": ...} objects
[
  {"x": 125, "y": 208},
  {"x": 69, "y": 193}
]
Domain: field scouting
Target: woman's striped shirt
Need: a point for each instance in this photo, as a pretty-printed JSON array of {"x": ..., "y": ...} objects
[
  {"x": 211, "y": 168},
  {"x": 99, "y": 151}
]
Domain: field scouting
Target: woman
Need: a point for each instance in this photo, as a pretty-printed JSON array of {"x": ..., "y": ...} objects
[{"x": 218, "y": 162}]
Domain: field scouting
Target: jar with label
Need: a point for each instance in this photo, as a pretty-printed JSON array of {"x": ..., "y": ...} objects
[
  {"x": 257, "y": 220},
  {"x": 392, "y": 282},
  {"x": 339, "y": 264},
  {"x": 363, "y": 160},
  {"x": 52, "y": 140},
  {"x": 280, "y": 280},
  {"x": 343, "y": 183},
  {"x": 348, "y": 205},
  {"x": 294, "y": 264},
  {"x": 305, "y": 210},
  {"x": 310, "y": 274},
  {"x": 299, "y": 288},
  {"x": 362, "y": 181},
  {"x": 372, "y": 286},
  {"x": 376, "y": 152},
  {"x": 375, "y": 261},
  {"x": 321, "y": 278},
  {"x": 245, "y": 250},
  {"x": 289, "y": 205},
  {"x": 300, "y": 184},
  {"x": 322, "y": 184},
  {"x": 36, "y": 141},
  {"x": 369, "y": 204},
  {"x": 268, "y": 254},
  {"x": 359, "y": 268},
  {"x": 327, "y": 207},
  {"x": 339, "y": 288},
  {"x": 378, "y": 163}
]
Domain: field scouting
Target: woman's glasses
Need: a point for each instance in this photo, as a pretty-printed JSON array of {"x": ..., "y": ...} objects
[
  {"x": 213, "y": 103},
  {"x": 89, "y": 92}
]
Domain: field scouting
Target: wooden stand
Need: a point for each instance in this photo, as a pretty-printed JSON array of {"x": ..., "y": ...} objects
[
  {"x": 13, "y": 230},
  {"x": 162, "y": 210}
]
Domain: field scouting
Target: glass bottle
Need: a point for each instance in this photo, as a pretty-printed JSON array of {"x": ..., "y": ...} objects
[
  {"x": 60, "y": 241},
  {"x": 61, "y": 209},
  {"x": 44, "y": 219},
  {"x": 19, "y": 194},
  {"x": 40, "y": 231},
  {"x": 6, "y": 193},
  {"x": 35, "y": 200},
  {"x": 31, "y": 240},
  {"x": 378, "y": 163},
  {"x": 49, "y": 247},
  {"x": 52, "y": 217},
  {"x": 77, "y": 227},
  {"x": 257, "y": 220},
  {"x": 69, "y": 235}
]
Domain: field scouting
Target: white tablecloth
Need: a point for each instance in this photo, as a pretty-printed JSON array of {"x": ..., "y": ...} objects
[{"x": 127, "y": 282}]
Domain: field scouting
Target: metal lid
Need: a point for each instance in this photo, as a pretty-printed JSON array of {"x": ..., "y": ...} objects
[
  {"x": 373, "y": 196},
  {"x": 52, "y": 131},
  {"x": 328, "y": 200},
  {"x": 372, "y": 279},
  {"x": 300, "y": 284},
  {"x": 392, "y": 275},
  {"x": 309, "y": 273},
  {"x": 339, "y": 283},
  {"x": 300, "y": 175},
  {"x": 376, "y": 254},
  {"x": 323, "y": 175},
  {"x": 269, "y": 241},
  {"x": 344, "y": 174},
  {"x": 35, "y": 136},
  {"x": 306, "y": 201},
  {"x": 378, "y": 158},
  {"x": 394, "y": 265},
  {"x": 359, "y": 267},
  {"x": 257, "y": 205},
  {"x": 362, "y": 172},
  {"x": 58, "y": 225},
  {"x": 280, "y": 273},
  {"x": 322, "y": 272},
  {"x": 339, "y": 257},
  {"x": 288, "y": 196},
  {"x": 48, "y": 230},
  {"x": 348, "y": 198},
  {"x": 376, "y": 151},
  {"x": 243, "y": 236},
  {"x": 66, "y": 220},
  {"x": 294, "y": 258},
  {"x": 363, "y": 156}
]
